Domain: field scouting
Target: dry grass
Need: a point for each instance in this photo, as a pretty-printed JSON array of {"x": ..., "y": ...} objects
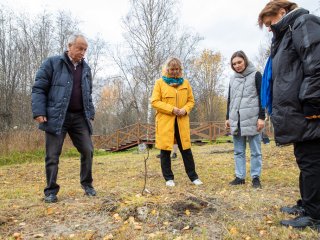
[
  {"x": 212, "y": 211},
  {"x": 25, "y": 141}
]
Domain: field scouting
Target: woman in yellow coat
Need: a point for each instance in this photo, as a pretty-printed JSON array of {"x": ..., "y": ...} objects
[{"x": 173, "y": 100}]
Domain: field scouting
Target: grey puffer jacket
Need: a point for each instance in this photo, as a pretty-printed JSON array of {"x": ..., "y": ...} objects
[
  {"x": 244, "y": 102},
  {"x": 52, "y": 90},
  {"x": 295, "y": 56}
]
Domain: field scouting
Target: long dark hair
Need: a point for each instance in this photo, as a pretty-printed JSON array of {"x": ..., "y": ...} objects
[{"x": 242, "y": 55}]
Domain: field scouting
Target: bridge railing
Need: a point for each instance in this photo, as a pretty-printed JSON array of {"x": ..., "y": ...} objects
[
  {"x": 142, "y": 132},
  {"x": 124, "y": 137},
  {"x": 209, "y": 131}
]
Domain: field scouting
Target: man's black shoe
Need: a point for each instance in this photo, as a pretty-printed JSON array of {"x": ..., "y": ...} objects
[
  {"x": 294, "y": 210},
  {"x": 89, "y": 191},
  {"x": 237, "y": 181},
  {"x": 51, "y": 198},
  {"x": 256, "y": 183},
  {"x": 302, "y": 222},
  {"x": 174, "y": 155},
  {"x": 158, "y": 156}
]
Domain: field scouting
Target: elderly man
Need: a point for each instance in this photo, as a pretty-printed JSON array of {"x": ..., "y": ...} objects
[{"x": 61, "y": 104}]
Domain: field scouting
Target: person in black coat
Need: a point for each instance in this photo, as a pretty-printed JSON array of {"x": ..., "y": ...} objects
[
  {"x": 294, "y": 82},
  {"x": 61, "y": 104}
]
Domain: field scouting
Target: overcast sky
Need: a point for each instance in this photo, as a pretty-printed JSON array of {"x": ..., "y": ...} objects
[{"x": 226, "y": 26}]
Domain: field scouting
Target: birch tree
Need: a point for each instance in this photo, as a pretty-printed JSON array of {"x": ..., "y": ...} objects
[{"x": 152, "y": 33}]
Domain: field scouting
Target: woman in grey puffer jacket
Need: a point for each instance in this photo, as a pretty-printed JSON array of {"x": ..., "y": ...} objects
[{"x": 245, "y": 117}]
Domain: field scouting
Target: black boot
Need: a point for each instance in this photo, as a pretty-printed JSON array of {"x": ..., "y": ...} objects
[
  {"x": 50, "y": 198},
  {"x": 302, "y": 222},
  {"x": 256, "y": 182},
  {"x": 237, "y": 181},
  {"x": 294, "y": 210}
]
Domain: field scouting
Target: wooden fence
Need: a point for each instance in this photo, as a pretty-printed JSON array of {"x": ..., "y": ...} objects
[{"x": 142, "y": 132}]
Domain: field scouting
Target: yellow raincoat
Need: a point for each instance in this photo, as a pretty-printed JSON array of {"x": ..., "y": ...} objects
[{"x": 164, "y": 98}]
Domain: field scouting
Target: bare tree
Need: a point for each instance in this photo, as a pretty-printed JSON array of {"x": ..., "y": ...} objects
[
  {"x": 9, "y": 72},
  {"x": 114, "y": 107},
  {"x": 149, "y": 27},
  {"x": 186, "y": 47},
  {"x": 24, "y": 43},
  {"x": 65, "y": 25},
  {"x": 151, "y": 35},
  {"x": 263, "y": 53},
  {"x": 95, "y": 55}
]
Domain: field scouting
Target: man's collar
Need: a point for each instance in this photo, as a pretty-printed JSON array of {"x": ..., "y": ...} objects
[{"x": 71, "y": 60}]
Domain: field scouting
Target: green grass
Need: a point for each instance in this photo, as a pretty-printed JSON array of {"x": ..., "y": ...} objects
[
  {"x": 17, "y": 157},
  {"x": 38, "y": 156},
  {"x": 224, "y": 139},
  {"x": 21, "y": 157}
]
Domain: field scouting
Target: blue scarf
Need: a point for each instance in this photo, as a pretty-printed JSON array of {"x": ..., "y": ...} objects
[
  {"x": 266, "y": 95},
  {"x": 173, "y": 81}
]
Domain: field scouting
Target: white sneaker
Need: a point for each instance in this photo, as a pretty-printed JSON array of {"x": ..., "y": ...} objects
[
  {"x": 197, "y": 182},
  {"x": 170, "y": 183}
]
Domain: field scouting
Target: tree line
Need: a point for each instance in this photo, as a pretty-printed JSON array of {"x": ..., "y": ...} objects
[{"x": 152, "y": 33}]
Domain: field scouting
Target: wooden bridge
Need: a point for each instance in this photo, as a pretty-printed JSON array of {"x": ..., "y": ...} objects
[{"x": 135, "y": 134}]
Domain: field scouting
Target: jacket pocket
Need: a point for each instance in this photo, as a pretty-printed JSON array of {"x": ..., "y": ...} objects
[{"x": 169, "y": 97}]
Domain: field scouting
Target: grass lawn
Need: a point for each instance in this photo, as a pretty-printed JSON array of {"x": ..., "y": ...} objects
[{"x": 214, "y": 210}]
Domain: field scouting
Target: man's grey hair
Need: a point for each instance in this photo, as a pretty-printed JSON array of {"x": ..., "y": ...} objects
[{"x": 72, "y": 39}]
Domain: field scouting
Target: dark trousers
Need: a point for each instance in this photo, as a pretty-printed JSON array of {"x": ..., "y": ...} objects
[
  {"x": 186, "y": 156},
  {"x": 76, "y": 126},
  {"x": 308, "y": 159}
]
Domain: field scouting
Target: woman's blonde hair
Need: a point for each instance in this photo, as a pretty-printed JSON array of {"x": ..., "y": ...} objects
[
  {"x": 167, "y": 64},
  {"x": 272, "y": 8}
]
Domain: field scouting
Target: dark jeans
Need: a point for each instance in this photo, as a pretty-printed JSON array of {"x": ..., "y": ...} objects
[
  {"x": 308, "y": 158},
  {"x": 76, "y": 126},
  {"x": 186, "y": 156}
]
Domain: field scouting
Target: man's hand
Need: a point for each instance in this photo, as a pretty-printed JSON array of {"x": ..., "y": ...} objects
[
  {"x": 227, "y": 124},
  {"x": 41, "y": 119}
]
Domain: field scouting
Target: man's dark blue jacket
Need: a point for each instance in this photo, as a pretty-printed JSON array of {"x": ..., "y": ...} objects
[{"x": 52, "y": 90}]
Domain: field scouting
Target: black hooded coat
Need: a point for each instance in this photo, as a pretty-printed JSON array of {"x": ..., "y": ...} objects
[{"x": 295, "y": 54}]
